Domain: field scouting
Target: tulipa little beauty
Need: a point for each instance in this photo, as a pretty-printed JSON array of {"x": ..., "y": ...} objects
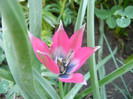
[{"x": 65, "y": 56}]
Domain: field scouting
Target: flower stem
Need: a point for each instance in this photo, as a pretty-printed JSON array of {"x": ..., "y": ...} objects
[
  {"x": 61, "y": 90},
  {"x": 67, "y": 88},
  {"x": 91, "y": 43}
]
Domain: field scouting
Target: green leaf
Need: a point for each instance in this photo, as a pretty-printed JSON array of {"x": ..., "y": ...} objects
[
  {"x": 129, "y": 11},
  {"x": 120, "y": 12},
  {"x": 102, "y": 13},
  {"x": 1, "y": 41},
  {"x": 115, "y": 8},
  {"x": 81, "y": 14},
  {"x": 46, "y": 85},
  {"x": 130, "y": 58},
  {"x": 2, "y": 55},
  {"x": 111, "y": 22},
  {"x": 35, "y": 17},
  {"x": 6, "y": 75},
  {"x": 4, "y": 86},
  {"x": 110, "y": 77},
  {"x": 16, "y": 46},
  {"x": 49, "y": 18},
  {"x": 123, "y": 22},
  {"x": 35, "y": 23},
  {"x": 14, "y": 90}
]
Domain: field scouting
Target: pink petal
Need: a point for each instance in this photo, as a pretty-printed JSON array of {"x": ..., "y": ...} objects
[
  {"x": 60, "y": 39},
  {"x": 80, "y": 57},
  {"x": 38, "y": 44},
  {"x": 48, "y": 62},
  {"x": 73, "y": 78},
  {"x": 76, "y": 39}
]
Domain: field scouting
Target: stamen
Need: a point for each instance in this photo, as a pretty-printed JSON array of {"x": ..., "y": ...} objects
[
  {"x": 63, "y": 63},
  {"x": 68, "y": 55},
  {"x": 60, "y": 61},
  {"x": 69, "y": 58}
]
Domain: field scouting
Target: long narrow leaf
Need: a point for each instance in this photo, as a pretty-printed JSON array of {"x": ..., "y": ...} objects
[
  {"x": 100, "y": 52},
  {"x": 91, "y": 43},
  {"x": 125, "y": 68},
  {"x": 16, "y": 46},
  {"x": 121, "y": 77},
  {"x": 81, "y": 14},
  {"x": 35, "y": 17}
]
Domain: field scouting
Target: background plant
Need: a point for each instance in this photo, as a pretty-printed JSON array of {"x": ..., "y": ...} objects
[{"x": 15, "y": 43}]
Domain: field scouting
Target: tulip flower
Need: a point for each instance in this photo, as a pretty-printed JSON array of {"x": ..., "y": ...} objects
[{"x": 65, "y": 56}]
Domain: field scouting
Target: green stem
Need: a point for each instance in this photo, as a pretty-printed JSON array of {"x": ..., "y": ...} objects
[
  {"x": 100, "y": 51},
  {"x": 61, "y": 89},
  {"x": 115, "y": 74},
  {"x": 91, "y": 43},
  {"x": 67, "y": 88}
]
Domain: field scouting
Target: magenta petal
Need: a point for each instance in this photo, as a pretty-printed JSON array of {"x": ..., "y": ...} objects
[
  {"x": 60, "y": 39},
  {"x": 38, "y": 44},
  {"x": 73, "y": 78},
  {"x": 80, "y": 57},
  {"x": 76, "y": 39},
  {"x": 48, "y": 62}
]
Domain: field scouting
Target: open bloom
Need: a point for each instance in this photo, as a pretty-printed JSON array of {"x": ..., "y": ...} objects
[{"x": 65, "y": 56}]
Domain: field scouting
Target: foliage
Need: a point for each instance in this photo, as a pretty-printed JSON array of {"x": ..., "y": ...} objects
[
  {"x": 27, "y": 77},
  {"x": 116, "y": 16}
]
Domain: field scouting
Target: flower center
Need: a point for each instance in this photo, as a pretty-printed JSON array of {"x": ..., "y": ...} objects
[{"x": 63, "y": 63}]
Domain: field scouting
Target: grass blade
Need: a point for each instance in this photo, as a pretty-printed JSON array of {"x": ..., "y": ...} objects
[
  {"x": 115, "y": 74},
  {"x": 120, "y": 90},
  {"x": 81, "y": 14},
  {"x": 116, "y": 64},
  {"x": 100, "y": 51}
]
